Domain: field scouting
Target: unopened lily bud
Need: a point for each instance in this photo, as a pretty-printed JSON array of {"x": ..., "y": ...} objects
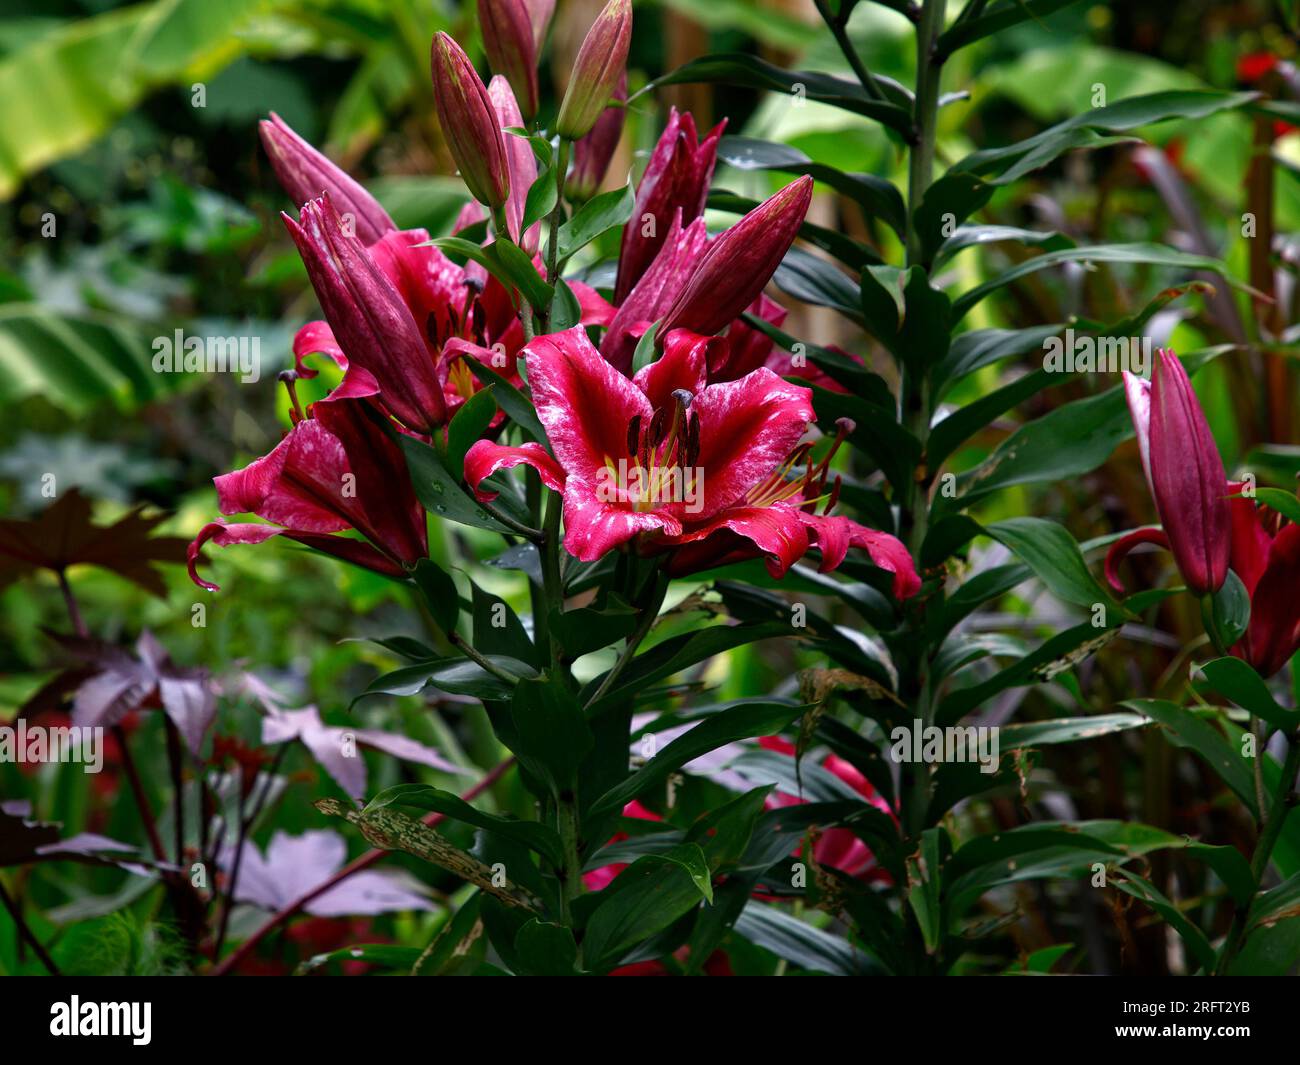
[
  {"x": 369, "y": 318},
  {"x": 601, "y": 62},
  {"x": 592, "y": 154},
  {"x": 304, "y": 173},
  {"x": 539, "y": 14},
  {"x": 676, "y": 178},
  {"x": 1187, "y": 478},
  {"x": 469, "y": 123},
  {"x": 521, "y": 162},
  {"x": 739, "y": 263},
  {"x": 511, "y": 48}
]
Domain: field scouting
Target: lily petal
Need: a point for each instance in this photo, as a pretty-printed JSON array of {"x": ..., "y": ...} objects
[
  {"x": 656, "y": 290},
  {"x": 834, "y": 535},
  {"x": 368, "y": 315},
  {"x": 485, "y": 458},
  {"x": 1120, "y": 548},
  {"x": 1187, "y": 479},
  {"x": 777, "y": 532},
  {"x": 747, "y": 430},
  {"x": 593, "y": 527},
  {"x": 223, "y": 534},
  {"x": 1251, "y": 542},
  {"x": 298, "y": 485},
  {"x": 1273, "y": 634},
  {"x": 386, "y": 511},
  {"x": 683, "y": 365},
  {"x": 585, "y": 404},
  {"x": 1137, "y": 392}
]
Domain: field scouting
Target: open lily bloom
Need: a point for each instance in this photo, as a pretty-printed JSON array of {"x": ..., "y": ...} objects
[
  {"x": 709, "y": 472},
  {"x": 334, "y": 471}
]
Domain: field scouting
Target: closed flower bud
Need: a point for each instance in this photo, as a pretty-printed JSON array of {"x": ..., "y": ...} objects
[
  {"x": 539, "y": 15},
  {"x": 592, "y": 154},
  {"x": 511, "y": 47},
  {"x": 601, "y": 62},
  {"x": 304, "y": 173},
  {"x": 369, "y": 318},
  {"x": 739, "y": 263},
  {"x": 521, "y": 163},
  {"x": 1187, "y": 478},
  {"x": 469, "y": 123},
  {"x": 677, "y": 177}
]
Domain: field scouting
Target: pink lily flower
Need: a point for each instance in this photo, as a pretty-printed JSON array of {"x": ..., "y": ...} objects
[
  {"x": 334, "y": 471},
  {"x": 1186, "y": 477},
  {"x": 703, "y": 471}
]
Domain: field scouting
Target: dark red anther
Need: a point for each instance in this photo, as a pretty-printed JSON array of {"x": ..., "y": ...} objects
[
  {"x": 657, "y": 427},
  {"x": 634, "y": 435}
]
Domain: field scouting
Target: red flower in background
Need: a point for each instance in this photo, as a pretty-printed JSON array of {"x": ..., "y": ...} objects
[
  {"x": 599, "y": 879},
  {"x": 1256, "y": 65},
  {"x": 1267, "y": 559},
  {"x": 839, "y": 848}
]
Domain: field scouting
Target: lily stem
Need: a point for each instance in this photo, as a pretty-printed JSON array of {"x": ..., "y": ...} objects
[
  {"x": 566, "y": 816},
  {"x": 649, "y": 615},
  {"x": 552, "y": 585},
  {"x": 15, "y": 911},
  {"x": 837, "y": 27},
  {"x": 557, "y": 214},
  {"x": 915, "y": 403}
]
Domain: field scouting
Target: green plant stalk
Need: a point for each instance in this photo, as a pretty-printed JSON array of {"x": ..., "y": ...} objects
[
  {"x": 1211, "y": 629},
  {"x": 920, "y": 167},
  {"x": 557, "y": 214},
  {"x": 837, "y": 25},
  {"x": 566, "y": 818},
  {"x": 649, "y": 614},
  {"x": 567, "y": 823},
  {"x": 1272, "y": 821},
  {"x": 25, "y": 932},
  {"x": 552, "y": 586},
  {"x": 915, "y": 400}
]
